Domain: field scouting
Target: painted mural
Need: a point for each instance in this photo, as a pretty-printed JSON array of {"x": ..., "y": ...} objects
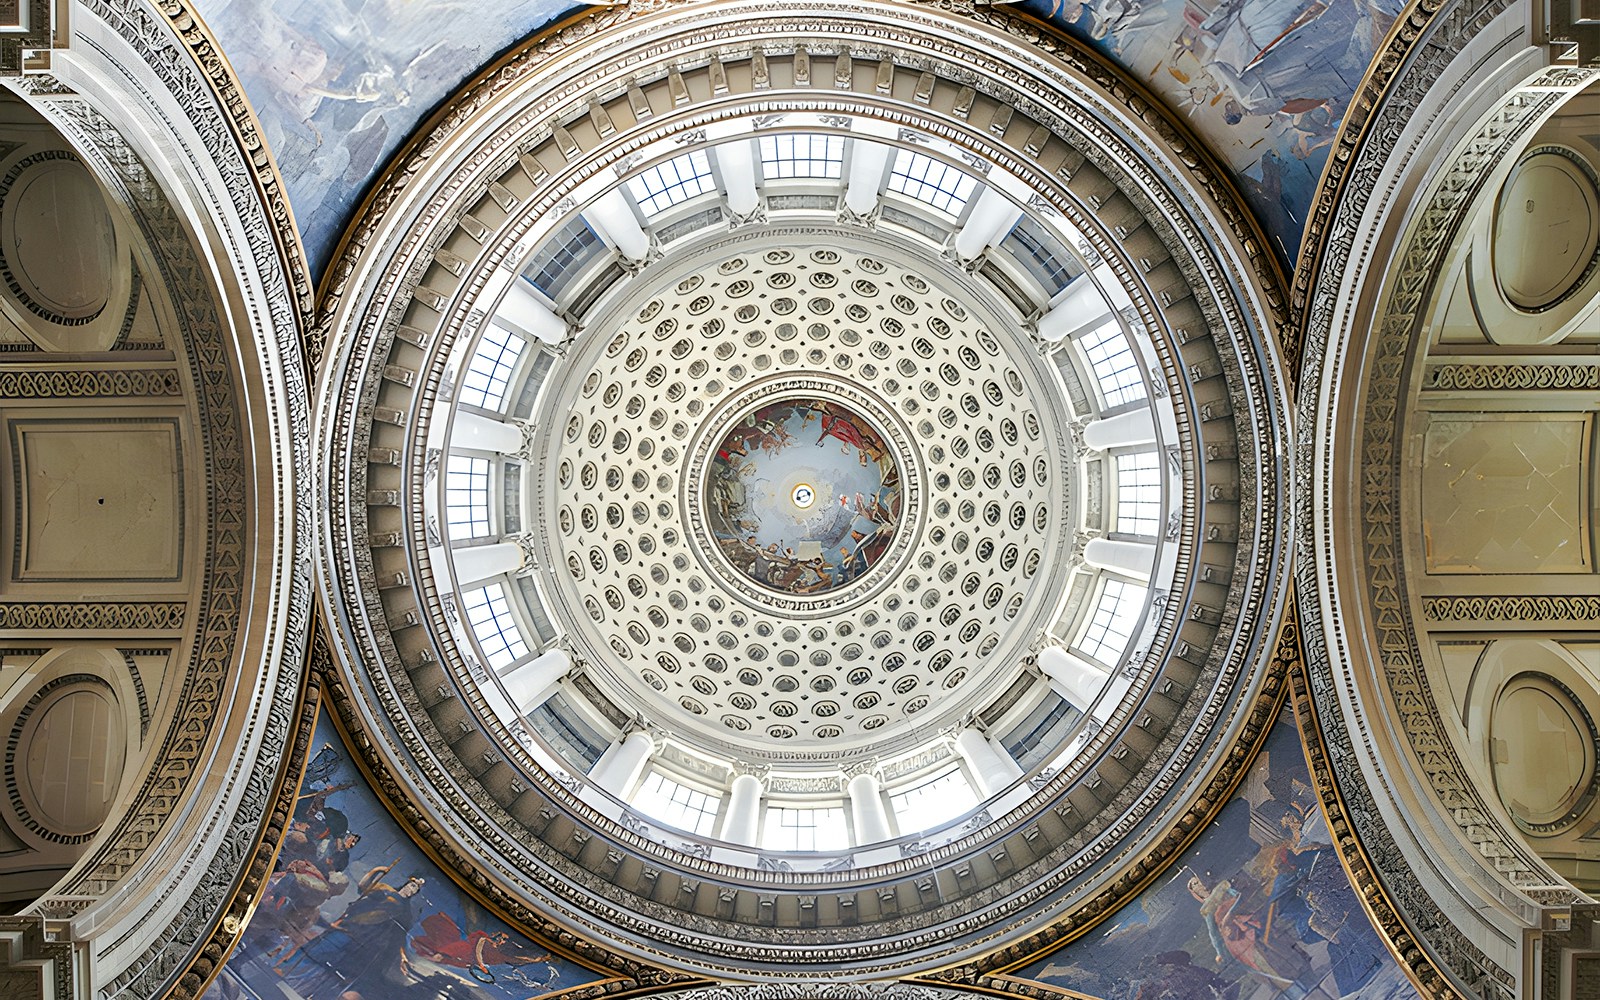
[
  {"x": 1267, "y": 82},
  {"x": 339, "y": 86},
  {"x": 354, "y": 911},
  {"x": 1258, "y": 908}
]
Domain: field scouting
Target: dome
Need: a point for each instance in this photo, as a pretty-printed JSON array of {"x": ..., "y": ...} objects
[{"x": 793, "y": 497}]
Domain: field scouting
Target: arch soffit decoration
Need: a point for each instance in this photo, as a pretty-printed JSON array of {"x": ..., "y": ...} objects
[
  {"x": 165, "y": 155},
  {"x": 390, "y": 274},
  {"x": 1371, "y": 159}
]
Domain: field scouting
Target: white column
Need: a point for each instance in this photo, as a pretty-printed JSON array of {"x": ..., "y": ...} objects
[
  {"x": 613, "y": 217},
  {"x": 867, "y": 160},
  {"x": 992, "y": 217},
  {"x": 1084, "y": 304},
  {"x": 471, "y": 430},
  {"x": 744, "y": 811},
  {"x": 531, "y": 683},
  {"x": 1074, "y": 679},
  {"x": 1135, "y": 559},
  {"x": 524, "y": 311},
  {"x": 477, "y": 563},
  {"x": 619, "y": 768},
  {"x": 867, "y": 809},
  {"x": 993, "y": 768},
  {"x": 1125, "y": 430},
  {"x": 737, "y": 163}
]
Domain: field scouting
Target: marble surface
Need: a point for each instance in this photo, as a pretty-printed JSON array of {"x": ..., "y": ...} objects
[{"x": 1503, "y": 493}]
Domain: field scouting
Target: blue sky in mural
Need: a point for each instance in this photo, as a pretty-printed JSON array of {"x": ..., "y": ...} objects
[
  {"x": 354, "y": 909},
  {"x": 1258, "y": 908},
  {"x": 339, "y": 85},
  {"x": 1265, "y": 81}
]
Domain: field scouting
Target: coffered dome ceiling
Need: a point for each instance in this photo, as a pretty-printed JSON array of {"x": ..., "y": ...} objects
[{"x": 803, "y": 507}]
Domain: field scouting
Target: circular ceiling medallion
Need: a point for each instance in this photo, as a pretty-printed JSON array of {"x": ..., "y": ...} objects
[
  {"x": 1544, "y": 764},
  {"x": 58, "y": 248},
  {"x": 924, "y": 437},
  {"x": 802, "y": 496},
  {"x": 1546, "y": 228}
]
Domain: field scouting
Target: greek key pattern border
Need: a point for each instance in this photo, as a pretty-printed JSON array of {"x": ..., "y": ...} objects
[
  {"x": 1543, "y": 608},
  {"x": 166, "y": 616},
  {"x": 1519, "y": 377},
  {"x": 94, "y": 383}
]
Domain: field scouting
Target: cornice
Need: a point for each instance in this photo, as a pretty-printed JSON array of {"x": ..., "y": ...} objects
[{"x": 431, "y": 189}]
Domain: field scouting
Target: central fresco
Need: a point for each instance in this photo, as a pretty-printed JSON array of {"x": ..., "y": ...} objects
[{"x": 803, "y": 495}]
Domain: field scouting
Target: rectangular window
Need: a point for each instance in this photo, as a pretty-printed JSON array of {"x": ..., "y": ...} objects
[
  {"x": 673, "y": 182},
  {"x": 1139, "y": 494},
  {"x": 801, "y": 155},
  {"x": 926, "y": 805},
  {"x": 935, "y": 184},
  {"x": 805, "y": 830},
  {"x": 1115, "y": 368},
  {"x": 466, "y": 496},
  {"x": 677, "y": 804},
  {"x": 488, "y": 374},
  {"x": 1112, "y": 624},
  {"x": 562, "y": 256},
  {"x": 488, "y": 613},
  {"x": 1044, "y": 256}
]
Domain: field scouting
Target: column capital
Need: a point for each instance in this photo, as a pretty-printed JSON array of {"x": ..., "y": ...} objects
[{"x": 856, "y": 768}]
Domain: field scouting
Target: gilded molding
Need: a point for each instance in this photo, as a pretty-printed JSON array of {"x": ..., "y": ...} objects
[
  {"x": 630, "y": 975},
  {"x": 212, "y": 955},
  {"x": 258, "y": 161},
  {"x": 1425, "y": 37},
  {"x": 1424, "y": 42},
  {"x": 212, "y": 866},
  {"x": 1109, "y": 847},
  {"x": 1412, "y": 956}
]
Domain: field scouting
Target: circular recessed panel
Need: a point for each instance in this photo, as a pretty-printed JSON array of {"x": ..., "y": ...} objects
[
  {"x": 1544, "y": 759},
  {"x": 1546, "y": 229},
  {"x": 59, "y": 244},
  {"x": 70, "y": 753},
  {"x": 802, "y": 496}
]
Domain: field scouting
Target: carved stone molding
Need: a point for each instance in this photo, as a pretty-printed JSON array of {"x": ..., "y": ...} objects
[
  {"x": 63, "y": 616},
  {"x": 34, "y": 963},
  {"x": 255, "y": 596},
  {"x": 1529, "y": 611},
  {"x": 56, "y": 384},
  {"x": 1437, "y": 953},
  {"x": 1513, "y": 376},
  {"x": 1056, "y": 854},
  {"x": 823, "y": 989}
]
